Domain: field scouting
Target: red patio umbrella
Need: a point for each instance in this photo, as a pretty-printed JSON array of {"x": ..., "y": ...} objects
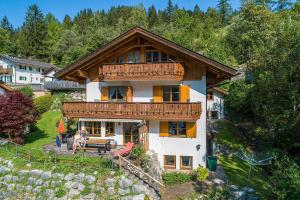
[{"x": 61, "y": 127}]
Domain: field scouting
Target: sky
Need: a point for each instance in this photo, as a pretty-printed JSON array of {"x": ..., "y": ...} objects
[{"x": 15, "y": 9}]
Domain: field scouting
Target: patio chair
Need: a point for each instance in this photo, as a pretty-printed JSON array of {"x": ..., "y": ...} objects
[{"x": 124, "y": 151}]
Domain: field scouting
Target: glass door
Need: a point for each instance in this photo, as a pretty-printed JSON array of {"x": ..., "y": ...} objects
[{"x": 131, "y": 133}]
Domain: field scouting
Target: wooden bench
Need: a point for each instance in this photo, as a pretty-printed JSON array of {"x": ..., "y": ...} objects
[{"x": 99, "y": 143}]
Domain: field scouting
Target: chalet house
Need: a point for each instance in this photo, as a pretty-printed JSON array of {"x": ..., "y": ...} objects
[
  {"x": 20, "y": 71},
  {"x": 143, "y": 88},
  {"x": 215, "y": 103}
]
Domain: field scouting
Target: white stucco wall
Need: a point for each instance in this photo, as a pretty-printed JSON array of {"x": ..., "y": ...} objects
[
  {"x": 143, "y": 92},
  {"x": 32, "y": 77},
  {"x": 2, "y": 91},
  {"x": 217, "y": 104}
]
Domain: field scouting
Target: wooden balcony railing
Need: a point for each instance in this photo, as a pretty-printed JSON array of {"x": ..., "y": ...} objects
[
  {"x": 142, "y": 71},
  {"x": 133, "y": 110},
  {"x": 8, "y": 71}
]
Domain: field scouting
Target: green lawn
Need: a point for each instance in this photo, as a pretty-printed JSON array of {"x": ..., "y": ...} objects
[
  {"x": 236, "y": 169},
  {"x": 45, "y": 130}
]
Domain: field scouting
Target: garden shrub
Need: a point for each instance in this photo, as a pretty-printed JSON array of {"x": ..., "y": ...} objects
[
  {"x": 172, "y": 178},
  {"x": 285, "y": 177},
  {"x": 201, "y": 173},
  {"x": 27, "y": 90},
  {"x": 43, "y": 103}
]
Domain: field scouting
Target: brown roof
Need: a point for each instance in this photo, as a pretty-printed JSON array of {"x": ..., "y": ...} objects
[
  {"x": 214, "y": 65},
  {"x": 217, "y": 89},
  {"x": 27, "y": 62},
  {"x": 5, "y": 87}
]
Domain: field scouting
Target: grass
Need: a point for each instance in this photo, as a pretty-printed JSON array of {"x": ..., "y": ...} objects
[
  {"x": 236, "y": 169},
  {"x": 45, "y": 130}
]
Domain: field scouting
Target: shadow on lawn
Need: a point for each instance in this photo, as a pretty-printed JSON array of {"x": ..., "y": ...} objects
[{"x": 35, "y": 134}]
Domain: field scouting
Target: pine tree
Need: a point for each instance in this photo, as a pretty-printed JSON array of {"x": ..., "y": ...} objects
[
  {"x": 34, "y": 32},
  {"x": 169, "y": 10},
  {"x": 67, "y": 22},
  {"x": 6, "y": 25},
  {"x": 152, "y": 16},
  {"x": 224, "y": 9}
]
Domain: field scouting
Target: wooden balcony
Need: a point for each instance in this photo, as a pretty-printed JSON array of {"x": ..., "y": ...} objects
[
  {"x": 7, "y": 71},
  {"x": 136, "y": 110},
  {"x": 142, "y": 71}
]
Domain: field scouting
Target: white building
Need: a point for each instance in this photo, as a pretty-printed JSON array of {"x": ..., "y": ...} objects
[
  {"x": 18, "y": 71},
  {"x": 215, "y": 103},
  {"x": 4, "y": 88},
  {"x": 142, "y": 88}
]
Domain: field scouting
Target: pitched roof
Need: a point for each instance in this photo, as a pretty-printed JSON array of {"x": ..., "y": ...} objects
[
  {"x": 5, "y": 87},
  {"x": 54, "y": 68},
  {"x": 214, "y": 65},
  {"x": 26, "y": 62}
]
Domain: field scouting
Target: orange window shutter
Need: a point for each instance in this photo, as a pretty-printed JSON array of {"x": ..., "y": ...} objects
[
  {"x": 104, "y": 93},
  {"x": 129, "y": 94},
  {"x": 184, "y": 93},
  {"x": 157, "y": 94},
  {"x": 164, "y": 129},
  {"x": 191, "y": 129}
]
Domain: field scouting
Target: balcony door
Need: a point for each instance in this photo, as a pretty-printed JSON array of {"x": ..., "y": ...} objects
[{"x": 130, "y": 133}]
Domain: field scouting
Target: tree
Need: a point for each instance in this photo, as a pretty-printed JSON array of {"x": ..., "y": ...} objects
[
  {"x": 6, "y": 25},
  {"x": 152, "y": 16},
  {"x": 35, "y": 33},
  {"x": 17, "y": 112},
  {"x": 224, "y": 9},
  {"x": 67, "y": 22},
  {"x": 169, "y": 10},
  {"x": 7, "y": 46}
]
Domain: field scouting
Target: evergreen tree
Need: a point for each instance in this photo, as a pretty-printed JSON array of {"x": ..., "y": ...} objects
[
  {"x": 169, "y": 10},
  {"x": 152, "y": 16},
  {"x": 35, "y": 33},
  {"x": 6, "y": 25},
  {"x": 224, "y": 9},
  {"x": 67, "y": 22}
]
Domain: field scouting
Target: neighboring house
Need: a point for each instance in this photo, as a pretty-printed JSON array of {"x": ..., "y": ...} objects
[
  {"x": 4, "y": 88},
  {"x": 143, "y": 88},
  {"x": 215, "y": 103},
  {"x": 20, "y": 71},
  {"x": 49, "y": 73}
]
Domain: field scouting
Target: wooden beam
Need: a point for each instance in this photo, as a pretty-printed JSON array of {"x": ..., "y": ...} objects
[{"x": 83, "y": 73}]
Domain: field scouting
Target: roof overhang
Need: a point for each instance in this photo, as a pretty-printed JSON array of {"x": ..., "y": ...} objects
[{"x": 221, "y": 71}]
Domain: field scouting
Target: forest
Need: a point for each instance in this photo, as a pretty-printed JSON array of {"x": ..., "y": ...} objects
[{"x": 262, "y": 38}]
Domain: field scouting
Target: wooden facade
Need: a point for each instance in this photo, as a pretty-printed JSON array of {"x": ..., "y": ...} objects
[
  {"x": 142, "y": 71},
  {"x": 133, "y": 110}
]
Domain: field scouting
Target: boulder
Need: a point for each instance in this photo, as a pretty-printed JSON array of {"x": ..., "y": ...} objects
[
  {"x": 69, "y": 177},
  {"x": 139, "y": 189},
  {"x": 28, "y": 188},
  {"x": 90, "y": 196},
  {"x": 53, "y": 183},
  {"x": 49, "y": 193},
  {"x": 135, "y": 197},
  {"x": 36, "y": 172},
  {"x": 124, "y": 192},
  {"x": 11, "y": 187},
  {"x": 7, "y": 178},
  {"x": 23, "y": 172},
  {"x": 111, "y": 191},
  {"x": 80, "y": 177},
  {"x": 46, "y": 184},
  {"x": 46, "y": 175},
  {"x": 58, "y": 175},
  {"x": 37, "y": 189},
  {"x": 14, "y": 179},
  {"x": 39, "y": 182},
  {"x": 90, "y": 179},
  {"x": 125, "y": 183},
  {"x": 68, "y": 184},
  {"x": 4, "y": 170},
  {"x": 73, "y": 192},
  {"x": 110, "y": 182},
  {"x": 19, "y": 187},
  {"x": 31, "y": 181}
]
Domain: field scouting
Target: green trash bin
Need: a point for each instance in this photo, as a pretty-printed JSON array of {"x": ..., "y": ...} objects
[{"x": 212, "y": 163}]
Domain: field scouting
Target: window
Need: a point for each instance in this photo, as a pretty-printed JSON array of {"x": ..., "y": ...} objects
[
  {"x": 30, "y": 68},
  {"x": 210, "y": 95},
  {"x": 36, "y": 78},
  {"x": 122, "y": 59},
  {"x": 38, "y": 69},
  {"x": 42, "y": 80},
  {"x": 186, "y": 162},
  {"x": 22, "y": 78},
  {"x": 177, "y": 128},
  {"x": 116, "y": 93},
  {"x": 163, "y": 57},
  {"x": 22, "y": 67},
  {"x": 170, "y": 161},
  {"x": 109, "y": 129},
  {"x": 93, "y": 128},
  {"x": 171, "y": 93},
  {"x": 148, "y": 56},
  {"x": 155, "y": 56}
]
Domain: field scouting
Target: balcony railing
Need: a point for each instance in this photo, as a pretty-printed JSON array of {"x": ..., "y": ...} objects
[
  {"x": 8, "y": 71},
  {"x": 130, "y": 110},
  {"x": 142, "y": 71}
]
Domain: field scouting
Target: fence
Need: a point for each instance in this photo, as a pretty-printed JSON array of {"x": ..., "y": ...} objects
[{"x": 37, "y": 156}]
